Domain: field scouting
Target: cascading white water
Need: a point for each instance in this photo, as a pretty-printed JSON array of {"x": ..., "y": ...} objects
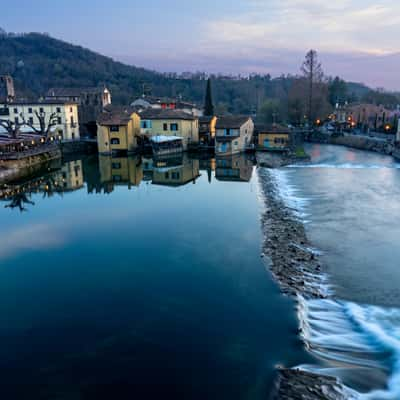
[{"x": 358, "y": 343}]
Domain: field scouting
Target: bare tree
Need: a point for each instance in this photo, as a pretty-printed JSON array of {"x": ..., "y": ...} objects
[
  {"x": 45, "y": 124},
  {"x": 12, "y": 127},
  {"x": 313, "y": 73}
]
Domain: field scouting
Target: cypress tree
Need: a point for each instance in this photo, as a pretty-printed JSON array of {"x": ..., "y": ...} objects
[{"x": 208, "y": 104}]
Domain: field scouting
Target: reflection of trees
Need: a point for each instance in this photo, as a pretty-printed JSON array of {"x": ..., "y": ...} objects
[{"x": 19, "y": 200}]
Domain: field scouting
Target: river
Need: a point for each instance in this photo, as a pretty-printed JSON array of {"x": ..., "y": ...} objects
[
  {"x": 349, "y": 202},
  {"x": 124, "y": 278}
]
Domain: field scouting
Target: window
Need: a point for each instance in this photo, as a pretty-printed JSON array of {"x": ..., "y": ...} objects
[
  {"x": 115, "y": 141},
  {"x": 116, "y": 165},
  {"x": 117, "y": 178},
  {"x": 73, "y": 135},
  {"x": 41, "y": 110},
  {"x": 72, "y": 120},
  {"x": 58, "y": 109},
  {"x": 70, "y": 109},
  {"x": 30, "y": 110},
  {"x": 59, "y": 121},
  {"x": 145, "y": 124},
  {"x": 227, "y": 132},
  {"x": 16, "y": 120},
  {"x": 175, "y": 175},
  {"x": 165, "y": 126},
  {"x": 31, "y": 120},
  {"x": 174, "y": 127},
  {"x": 114, "y": 128},
  {"x": 167, "y": 175},
  {"x": 15, "y": 110}
]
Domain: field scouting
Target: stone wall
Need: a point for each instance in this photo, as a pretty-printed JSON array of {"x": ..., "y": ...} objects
[{"x": 357, "y": 142}]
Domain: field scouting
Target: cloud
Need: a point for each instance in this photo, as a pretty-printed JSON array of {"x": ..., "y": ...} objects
[
  {"x": 32, "y": 237},
  {"x": 343, "y": 25}
]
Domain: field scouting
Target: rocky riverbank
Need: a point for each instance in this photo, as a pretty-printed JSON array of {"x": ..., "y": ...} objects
[
  {"x": 297, "y": 268},
  {"x": 376, "y": 145},
  {"x": 294, "y": 384},
  {"x": 293, "y": 263},
  {"x": 276, "y": 160}
]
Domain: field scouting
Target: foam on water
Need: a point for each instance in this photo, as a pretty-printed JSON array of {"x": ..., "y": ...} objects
[
  {"x": 358, "y": 343},
  {"x": 289, "y": 194}
]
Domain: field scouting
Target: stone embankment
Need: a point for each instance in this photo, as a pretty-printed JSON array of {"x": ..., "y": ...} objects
[
  {"x": 276, "y": 160},
  {"x": 376, "y": 145},
  {"x": 15, "y": 169},
  {"x": 294, "y": 384},
  {"x": 297, "y": 268},
  {"x": 293, "y": 262}
]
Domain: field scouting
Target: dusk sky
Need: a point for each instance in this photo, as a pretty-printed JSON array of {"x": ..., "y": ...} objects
[{"x": 356, "y": 39}]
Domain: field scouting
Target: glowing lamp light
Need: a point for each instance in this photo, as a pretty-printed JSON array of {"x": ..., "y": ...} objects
[
  {"x": 387, "y": 127},
  {"x": 318, "y": 121}
]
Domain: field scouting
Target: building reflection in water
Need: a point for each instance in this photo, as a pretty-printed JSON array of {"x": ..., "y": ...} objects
[
  {"x": 176, "y": 171},
  {"x": 102, "y": 174},
  {"x": 50, "y": 180},
  {"x": 237, "y": 168},
  {"x": 120, "y": 171}
]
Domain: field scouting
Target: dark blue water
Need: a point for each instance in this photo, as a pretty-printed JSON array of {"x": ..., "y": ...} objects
[{"x": 125, "y": 279}]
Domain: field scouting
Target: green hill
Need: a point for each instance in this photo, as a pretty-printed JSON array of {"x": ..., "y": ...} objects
[{"x": 38, "y": 62}]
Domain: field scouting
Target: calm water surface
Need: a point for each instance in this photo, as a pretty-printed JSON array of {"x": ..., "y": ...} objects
[{"x": 123, "y": 278}]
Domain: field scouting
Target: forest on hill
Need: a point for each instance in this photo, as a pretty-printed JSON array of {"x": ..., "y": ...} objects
[{"x": 38, "y": 62}]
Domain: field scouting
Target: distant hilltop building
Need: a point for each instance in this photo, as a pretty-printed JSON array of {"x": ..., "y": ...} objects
[
  {"x": 165, "y": 103},
  {"x": 91, "y": 103}
]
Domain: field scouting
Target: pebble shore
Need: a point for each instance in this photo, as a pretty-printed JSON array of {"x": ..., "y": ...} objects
[{"x": 297, "y": 269}]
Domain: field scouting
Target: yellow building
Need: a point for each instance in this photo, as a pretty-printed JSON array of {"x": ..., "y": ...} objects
[
  {"x": 124, "y": 171},
  {"x": 273, "y": 138},
  {"x": 118, "y": 131},
  {"x": 207, "y": 129},
  {"x": 159, "y": 122}
]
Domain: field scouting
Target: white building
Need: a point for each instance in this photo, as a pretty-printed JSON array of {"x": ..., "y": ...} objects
[{"x": 65, "y": 114}]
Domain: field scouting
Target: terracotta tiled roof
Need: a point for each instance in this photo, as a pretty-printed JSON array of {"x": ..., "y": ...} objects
[
  {"x": 115, "y": 116},
  {"x": 152, "y": 113},
  {"x": 231, "y": 121}
]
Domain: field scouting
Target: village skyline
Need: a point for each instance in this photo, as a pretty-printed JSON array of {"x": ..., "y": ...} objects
[{"x": 240, "y": 38}]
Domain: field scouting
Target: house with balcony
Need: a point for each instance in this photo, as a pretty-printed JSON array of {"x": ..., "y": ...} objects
[
  {"x": 234, "y": 135},
  {"x": 118, "y": 131},
  {"x": 174, "y": 123}
]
